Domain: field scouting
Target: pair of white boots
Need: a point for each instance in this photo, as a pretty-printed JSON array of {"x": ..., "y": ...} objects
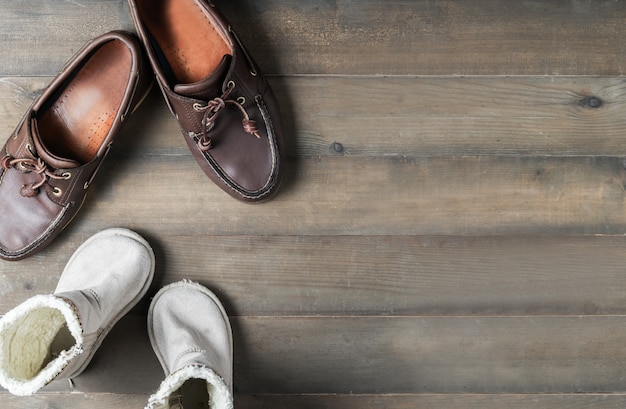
[{"x": 55, "y": 336}]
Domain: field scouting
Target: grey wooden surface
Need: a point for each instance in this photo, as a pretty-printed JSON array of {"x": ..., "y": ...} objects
[{"x": 451, "y": 230}]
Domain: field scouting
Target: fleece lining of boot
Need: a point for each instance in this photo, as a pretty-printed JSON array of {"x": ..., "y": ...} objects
[
  {"x": 28, "y": 344},
  {"x": 38, "y": 338},
  {"x": 219, "y": 394}
]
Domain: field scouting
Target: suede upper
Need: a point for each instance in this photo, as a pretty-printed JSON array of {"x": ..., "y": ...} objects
[
  {"x": 55, "y": 336},
  {"x": 192, "y": 338}
]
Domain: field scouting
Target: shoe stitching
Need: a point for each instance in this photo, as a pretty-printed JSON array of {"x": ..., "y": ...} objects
[
  {"x": 187, "y": 351},
  {"x": 204, "y": 11},
  {"x": 95, "y": 296},
  {"x": 39, "y": 241}
]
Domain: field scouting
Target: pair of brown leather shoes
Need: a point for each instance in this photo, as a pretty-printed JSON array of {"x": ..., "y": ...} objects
[{"x": 227, "y": 113}]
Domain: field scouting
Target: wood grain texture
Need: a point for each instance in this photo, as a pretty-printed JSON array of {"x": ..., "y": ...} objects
[
  {"x": 333, "y": 401},
  {"x": 450, "y": 233},
  {"x": 341, "y": 196},
  {"x": 406, "y": 37},
  {"x": 400, "y": 116},
  {"x": 39, "y": 37},
  {"x": 430, "y": 401},
  {"x": 425, "y": 116},
  {"x": 73, "y": 401},
  {"x": 440, "y": 38},
  {"x": 334, "y": 191},
  {"x": 370, "y": 275},
  {"x": 383, "y": 355},
  {"x": 431, "y": 355}
]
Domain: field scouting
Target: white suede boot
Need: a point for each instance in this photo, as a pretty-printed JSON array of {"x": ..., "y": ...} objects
[
  {"x": 51, "y": 337},
  {"x": 191, "y": 335}
]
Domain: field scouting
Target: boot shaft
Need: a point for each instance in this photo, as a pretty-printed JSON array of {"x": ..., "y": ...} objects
[
  {"x": 39, "y": 340},
  {"x": 55, "y": 336},
  {"x": 192, "y": 338}
]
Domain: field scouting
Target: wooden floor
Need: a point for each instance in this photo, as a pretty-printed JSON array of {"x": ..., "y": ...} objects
[{"x": 452, "y": 229}]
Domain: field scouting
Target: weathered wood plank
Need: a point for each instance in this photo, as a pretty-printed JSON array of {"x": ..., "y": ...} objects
[
  {"x": 371, "y": 275},
  {"x": 39, "y": 37},
  {"x": 340, "y": 193},
  {"x": 429, "y": 401},
  {"x": 455, "y": 116},
  {"x": 426, "y": 116},
  {"x": 441, "y": 38},
  {"x": 344, "y": 284},
  {"x": 449, "y": 355},
  {"x": 310, "y": 401},
  {"x": 337, "y": 193},
  {"x": 493, "y": 37},
  {"x": 380, "y": 196},
  {"x": 381, "y": 355},
  {"x": 73, "y": 401},
  {"x": 391, "y": 275}
]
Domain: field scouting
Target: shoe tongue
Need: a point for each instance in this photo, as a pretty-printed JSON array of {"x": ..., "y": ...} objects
[
  {"x": 47, "y": 156},
  {"x": 208, "y": 88}
]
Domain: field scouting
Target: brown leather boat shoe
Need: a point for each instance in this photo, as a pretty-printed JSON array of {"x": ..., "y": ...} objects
[
  {"x": 226, "y": 110},
  {"x": 49, "y": 161}
]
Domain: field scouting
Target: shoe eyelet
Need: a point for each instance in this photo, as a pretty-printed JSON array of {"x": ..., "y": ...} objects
[
  {"x": 66, "y": 175},
  {"x": 57, "y": 192},
  {"x": 231, "y": 84},
  {"x": 197, "y": 106},
  {"x": 86, "y": 185},
  {"x": 241, "y": 100},
  {"x": 29, "y": 148},
  {"x": 253, "y": 72}
]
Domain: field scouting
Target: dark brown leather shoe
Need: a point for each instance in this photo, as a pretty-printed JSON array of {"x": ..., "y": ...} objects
[
  {"x": 227, "y": 113},
  {"x": 51, "y": 158}
]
